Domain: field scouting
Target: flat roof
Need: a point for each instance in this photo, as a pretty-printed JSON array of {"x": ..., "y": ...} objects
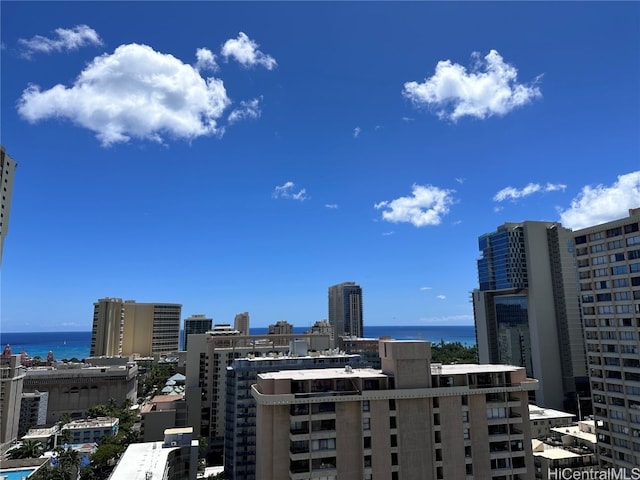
[
  {"x": 574, "y": 431},
  {"x": 324, "y": 373},
  {"x": 462, "y": 368},
  {"x": 540, "y": 413},
  {"x": 555, "y": 453}
]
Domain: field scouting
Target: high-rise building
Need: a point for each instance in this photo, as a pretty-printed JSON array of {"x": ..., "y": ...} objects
[
  {"x": 240, "y": 418},
  {"x": 410, "y": 420},
  {"x": 208, "y": 357},
  {"x": 130, "y": 328},
  {"x": 7, "y": 172},
  {"x": 345, "y": 310},
  {"x": 12, "y": 375},
  {"x": 608, "y": 262},
  {"x": 241, "y": 323},
  {"x": 527, "y": 312},
  {"x": 196, "y": 324}
]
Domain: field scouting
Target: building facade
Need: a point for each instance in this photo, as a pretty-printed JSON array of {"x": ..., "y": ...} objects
[
  {"x": 527, "y": 312},
  {"x": 240, "y": 415},
  {"x": 241, "y": 323},
  {"x": 410, "y": 420},
  {"x": 208, "y": 357},
  {"x": 196, "y": 324},
  {"x": 91, "y": 430},
  {"x": 33, "y": 410},
  {"x": 12, "y": 375},
  {"x": 130, "y": 328},
  {"x": 345, "y": 310},
  {"x": 7, "y": 173},
  {"x": 174, "y": 458},
  {"x": 74, "y": 388},
  {"x": 608, "y": 260}
]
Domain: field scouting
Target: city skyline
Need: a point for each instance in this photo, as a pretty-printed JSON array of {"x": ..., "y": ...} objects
[{"x": 266, "y": 151}]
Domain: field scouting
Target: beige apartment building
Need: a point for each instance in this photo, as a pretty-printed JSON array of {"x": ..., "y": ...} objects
[
  {"x": 130, "y": 328},
  {"x": 410, "y": 420},
  {"x": 11, "y": 384},
  {"x": 608, "y": 262}
]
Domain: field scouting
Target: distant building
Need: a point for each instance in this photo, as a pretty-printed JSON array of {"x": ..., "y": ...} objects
[
  {"x": 281, "y": 327},
  {"x": 410, "y": 420},
  {"x": 526, "y": 309},
  {"x": 12, "y": 375},
  {"x": 367, "y": 348},
  {"x": 345, "y": 310},
  {"x": 33, "y": 410},
  {"x": 74, "y": 388},
  {"x": 323, "y": 327},
  {"x": 608, "y": 260},
  {"x": 7, "y": 173},
  {"x": 240, "y": 418},
  {"x": 174, "y": 458},
  {"x": 195, "y": 324},
  {"x": 130, "y": 328},
  {"x": 241, "y": 323},
  {"x": 91, "y": 430}
]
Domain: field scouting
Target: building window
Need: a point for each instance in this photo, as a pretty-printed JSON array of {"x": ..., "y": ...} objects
[{"x": 365, "y": 405}]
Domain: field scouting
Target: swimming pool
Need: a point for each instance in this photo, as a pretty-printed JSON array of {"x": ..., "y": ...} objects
[{"x": 16, "y": 473}]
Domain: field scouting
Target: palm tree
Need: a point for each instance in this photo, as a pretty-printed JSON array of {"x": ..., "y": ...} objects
[
  {"x": 68, "y": 463},
  {"x": 28, "y": 449}
]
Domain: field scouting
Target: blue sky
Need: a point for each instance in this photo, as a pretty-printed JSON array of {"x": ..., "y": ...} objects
[{"x": 245, "y": 156}]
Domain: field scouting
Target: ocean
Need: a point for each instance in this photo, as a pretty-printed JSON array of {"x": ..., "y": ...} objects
[{"x": 66, "y": 345}]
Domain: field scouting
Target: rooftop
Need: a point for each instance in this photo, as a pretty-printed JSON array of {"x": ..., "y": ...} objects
[
  {"x": 539, "y": 413},
  {"x": 324, "y": 373}
]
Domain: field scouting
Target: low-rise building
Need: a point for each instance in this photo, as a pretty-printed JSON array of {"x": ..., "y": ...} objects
[
  {"x": 571, "y": 448},
  {"x": 162, "y": 412},
  {"x": 174, "y": 458},
  {"x": 33, "y": 410},
  {"x": 544, "y": 419},
  {"x": 73, "y": 388},
  {"x": 91, "y": 430}
]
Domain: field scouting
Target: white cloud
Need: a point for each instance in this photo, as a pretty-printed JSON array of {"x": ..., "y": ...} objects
[
  {"x": 600, "y": 204},
  {"x": 387, "y": 234},
  {"x": 425, "y": 288},
  {"x": 441, "y": 297},
  {"x": 248, "y": 109},
  {"x": 407, "y": 119},
  {"x": 65, "y": 39},
  {"x": 331, "y": 205},
  {"x": 460, "y": 180},
  {"x": 426, "y": 206},
  {"x": 356, "y": 132},
  {"x": 513, "y": 193},
  {"x": 245, "y": 51},
  {"x": 287, "y": 191},
  {"x": 206, "y": 60},
  {"x": 490, "y": 88},
  {"x": 134, "y": 92}
]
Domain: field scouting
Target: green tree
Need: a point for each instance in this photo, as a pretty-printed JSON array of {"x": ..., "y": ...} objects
[
  {"x": 28, "y": 449},
  {"x": 453, "y": 352}
]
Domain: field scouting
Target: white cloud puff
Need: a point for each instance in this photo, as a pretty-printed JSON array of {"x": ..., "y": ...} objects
[
  {"x": 356, "y": 132},
  {"x": 206, "y": 60},
  {"x": 490, "y": 88},
  {"x": 331, "y": 206},
  {"x": 601, "y": 204},
  {"x": 134, "y": 92},
  {"x": 441, "y": 297},
  {"x": 248, "y": 109},
  {"x": 287, "y": 191},
  {"x": 425, "y": 288},
  {"x": 65, "y": 39},
  {"x": 513, "y": 193},
  {"x": 245, "y": 51},
  {"x": 426, "y": 206}
]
